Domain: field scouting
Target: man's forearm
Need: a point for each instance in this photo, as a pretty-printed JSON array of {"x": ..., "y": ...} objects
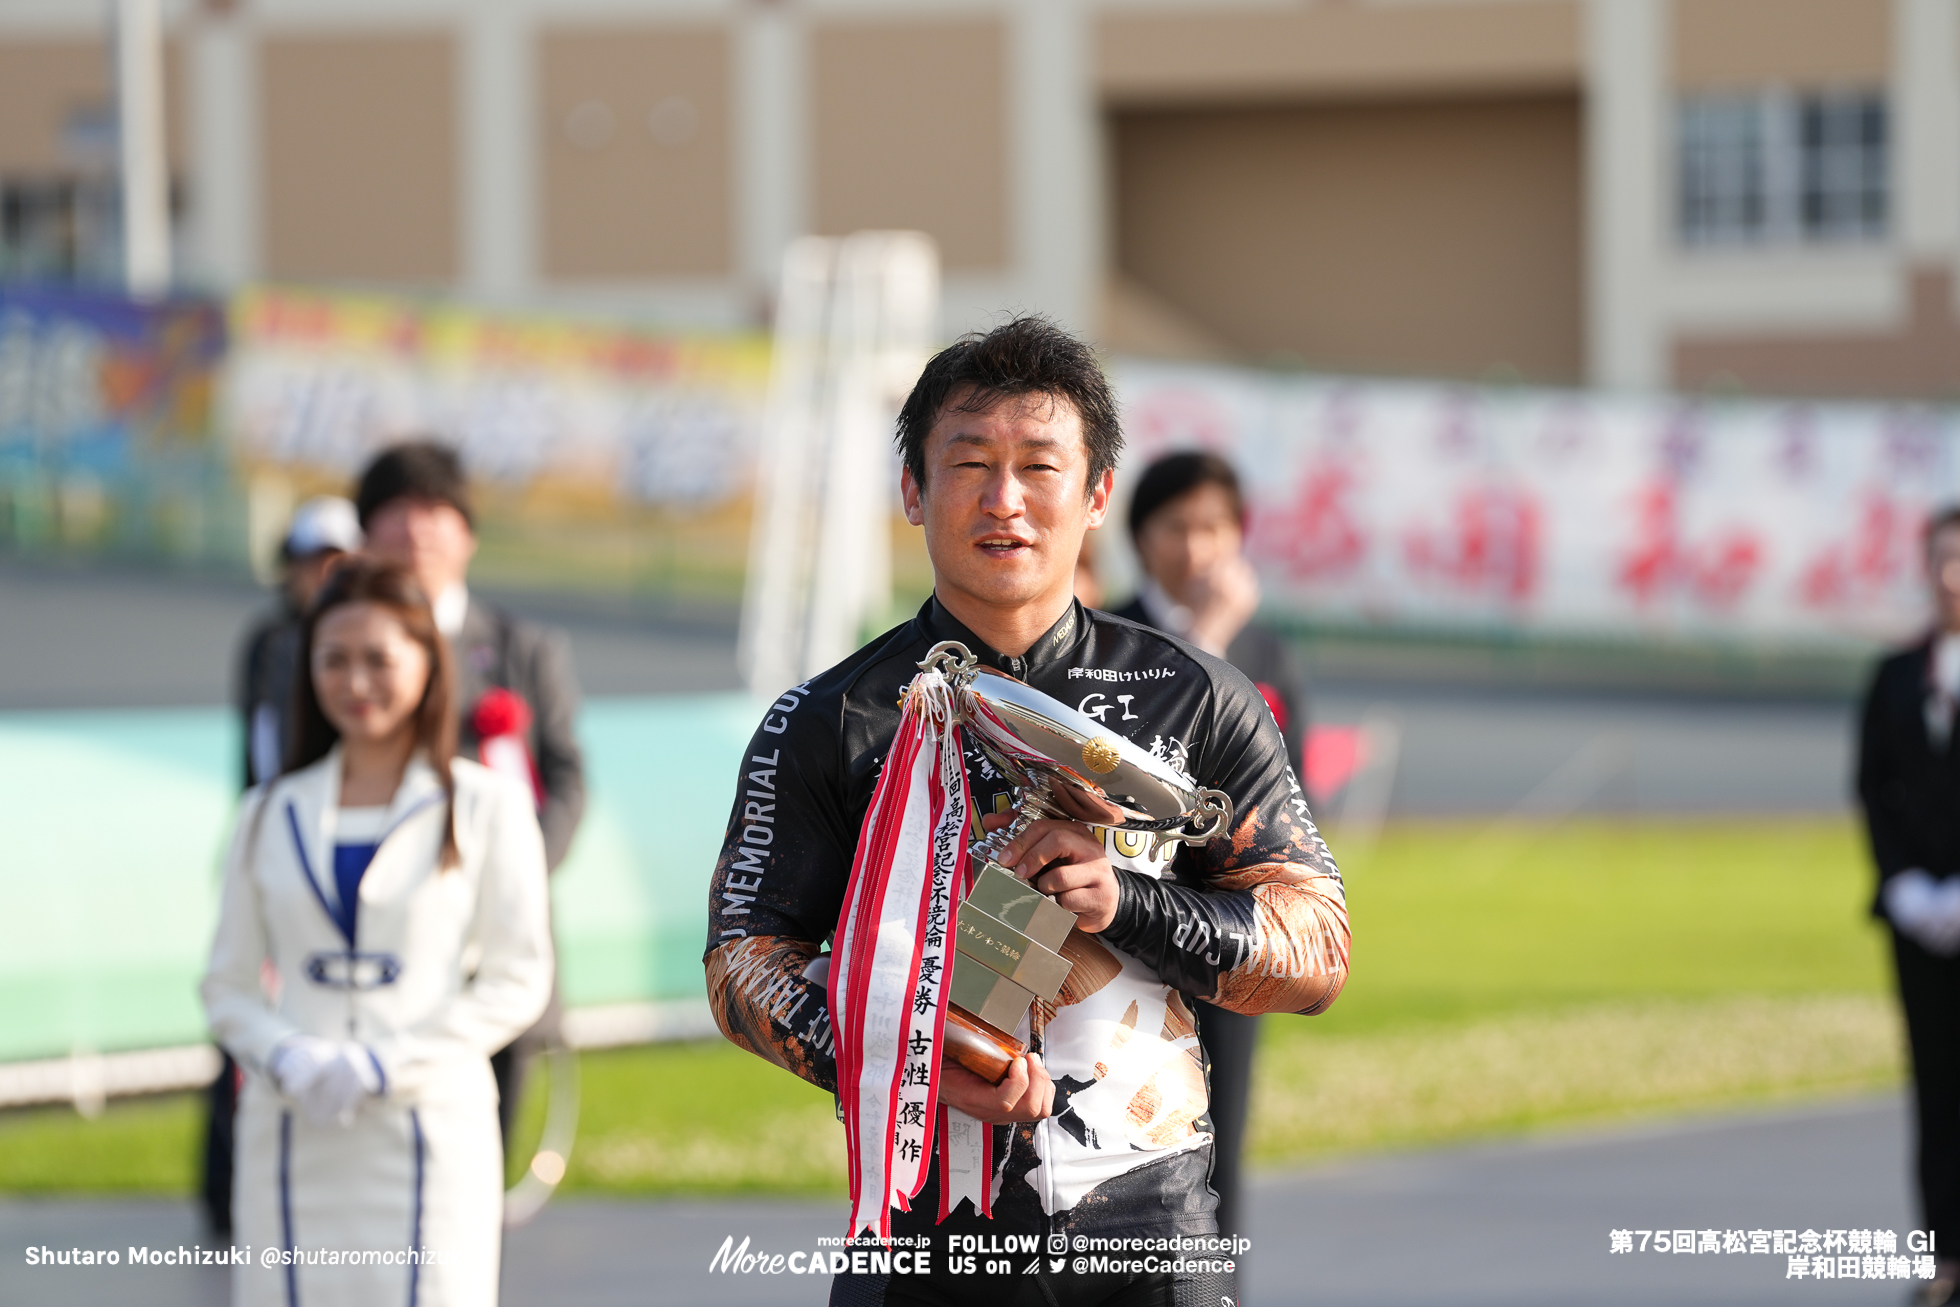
[
  {"x": 1266, "y": 939},
  {"x": 1300, "y": 960},
  {"x": 763, "y": 1002}
]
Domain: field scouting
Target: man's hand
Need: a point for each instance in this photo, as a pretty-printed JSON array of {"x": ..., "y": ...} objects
[
  {"x": 1222, "y": 600},
  {"x": 1063, "y": 859},
  {"x": 1027, "y": 1094}
]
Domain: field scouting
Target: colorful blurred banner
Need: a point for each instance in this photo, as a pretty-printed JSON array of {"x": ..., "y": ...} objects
[
  {"x": 321, "y": 381},
  {"x": 622, "y": 459},
  {"x": 106, "y": 430},
  {"x": 1440, "y": 507}
]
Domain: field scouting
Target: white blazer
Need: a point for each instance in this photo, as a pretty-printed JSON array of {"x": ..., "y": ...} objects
[{"x": 444, "y": 968}]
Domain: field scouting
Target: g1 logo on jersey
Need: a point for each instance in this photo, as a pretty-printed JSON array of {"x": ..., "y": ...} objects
[{"x": 1092, "y": 705}]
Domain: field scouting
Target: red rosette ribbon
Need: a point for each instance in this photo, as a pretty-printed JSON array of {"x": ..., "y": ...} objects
[{"x": 502, "y": 722}]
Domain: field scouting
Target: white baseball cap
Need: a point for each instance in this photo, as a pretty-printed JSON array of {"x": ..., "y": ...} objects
[{"x": 323, "y": 523}]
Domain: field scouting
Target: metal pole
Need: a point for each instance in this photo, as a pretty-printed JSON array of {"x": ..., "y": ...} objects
[{"x": 145, "y": 170}]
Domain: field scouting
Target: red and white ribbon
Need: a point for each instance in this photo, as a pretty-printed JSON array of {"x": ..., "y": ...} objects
[
  {"x": 893, "y": 951},
  {"x": 966, "y": 1162},
  {"x": 892, "y": 955}
]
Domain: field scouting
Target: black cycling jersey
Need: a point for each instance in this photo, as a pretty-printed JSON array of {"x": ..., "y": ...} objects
[{"x": 1255, "y": 920}]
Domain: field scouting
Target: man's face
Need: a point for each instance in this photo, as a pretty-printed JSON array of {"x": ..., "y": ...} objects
[
  {"x": 1189, "y": 536},
  {"x": 429, "y": 537},
  {"x": 1006, "y": 501},
  {"x": 1943, "y": 568}
]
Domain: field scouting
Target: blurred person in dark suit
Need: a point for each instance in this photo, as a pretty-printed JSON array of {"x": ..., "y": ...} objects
[
  {"x": 1187, "y": 520},
  {"x": 1909, "y": 782},
  {"x": 516, "y": 688},
  {"x": 323, "y": 531}
]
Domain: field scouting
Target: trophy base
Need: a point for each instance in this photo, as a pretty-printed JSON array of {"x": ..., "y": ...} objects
[{"x": 986, "y": 1051}]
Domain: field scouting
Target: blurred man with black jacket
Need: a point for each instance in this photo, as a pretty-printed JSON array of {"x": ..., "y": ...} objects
[
  {"x": 1909, "y": 782},
  {"x": 516, "y": 692},
  {"x": 1187, "y": 521}
]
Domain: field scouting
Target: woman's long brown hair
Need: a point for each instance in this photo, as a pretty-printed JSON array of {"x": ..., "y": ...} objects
[{"x": 366, "y": 581}]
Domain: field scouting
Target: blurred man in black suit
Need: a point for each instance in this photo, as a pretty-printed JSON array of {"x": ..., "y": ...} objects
[
  {"x": 515, "y": 688},
  {"x": 1187, "y": 520},
  {"x": 1909, "y": 782}
]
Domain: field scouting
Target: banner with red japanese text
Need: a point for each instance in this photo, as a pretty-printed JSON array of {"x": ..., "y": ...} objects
[
  {"x": 1439, "y": 507},
  {"x": 322, "y": 380}
]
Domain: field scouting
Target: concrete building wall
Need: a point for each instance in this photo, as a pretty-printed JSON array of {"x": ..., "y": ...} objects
[
  {"x": 1210, "y": 53},
  {"x": 1871, "y": 317},
  {"x": 1742, "y": 44},
  {"x": 634, "y": 140},
  {"x": 44, "y": 82},
  {"x": 53, "y": 83},
  {"x": 1917, "y": 357},
  {"x": 1437, "y": 238},
  {"x": 1395, "y": 185},
  {"x": 358, "y": 156},
  {"x": 909, "y": 130}
]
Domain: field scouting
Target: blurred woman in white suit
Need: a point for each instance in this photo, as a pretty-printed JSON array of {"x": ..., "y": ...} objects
[{"x": 384, "y": 929}]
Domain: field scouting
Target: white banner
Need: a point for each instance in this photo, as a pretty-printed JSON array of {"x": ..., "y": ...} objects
[{"x": 1447, "y": 507}]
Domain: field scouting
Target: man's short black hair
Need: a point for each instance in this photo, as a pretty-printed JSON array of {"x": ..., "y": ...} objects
[
  {"x": 1028, "y": 356},
  {"x": 423, "y": 469},
  {"x": 1176, "y": 475}
]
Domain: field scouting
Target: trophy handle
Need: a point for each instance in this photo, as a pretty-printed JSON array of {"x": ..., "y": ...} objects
[
  {"x": 951, "y": 659},
  {"x": 1213, "y": 815},
  {"x": 986, "y": 1051}
]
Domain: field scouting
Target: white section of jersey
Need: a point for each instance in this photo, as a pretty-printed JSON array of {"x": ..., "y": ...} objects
[{"x": 1145, "y": 1084}]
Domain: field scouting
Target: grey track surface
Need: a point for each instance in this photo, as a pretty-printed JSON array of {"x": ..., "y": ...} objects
[
  {"x": 75, "y": 638},
  {"x": 1497, "y": 751},
  {"x": 72, "y": 638},
  {"x": 1517, "y": 1224},
  {"x": 1526, "y": 1225}
]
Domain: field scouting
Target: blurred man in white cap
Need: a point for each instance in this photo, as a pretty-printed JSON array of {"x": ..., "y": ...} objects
[{"x": 323, "y": 531}]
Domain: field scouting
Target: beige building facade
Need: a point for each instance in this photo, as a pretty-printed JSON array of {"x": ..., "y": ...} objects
[{"x": 1755, "y": 195}]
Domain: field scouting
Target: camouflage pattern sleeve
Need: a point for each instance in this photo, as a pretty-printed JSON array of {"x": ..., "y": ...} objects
[
  {"x": 1297, "y": 956},
  {"x": 764, "y": 1002}
]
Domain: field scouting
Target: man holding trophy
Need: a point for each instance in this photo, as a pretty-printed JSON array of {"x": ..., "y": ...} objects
[{"x": 976, "y": 873}]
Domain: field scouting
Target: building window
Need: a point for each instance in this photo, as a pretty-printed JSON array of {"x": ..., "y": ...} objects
[
  {"x": 58, "y": 229},
  {"x": 1776, "y": 168}
]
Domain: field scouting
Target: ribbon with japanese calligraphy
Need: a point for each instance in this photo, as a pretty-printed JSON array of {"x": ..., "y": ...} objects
[{"x": 893, "y": 952}]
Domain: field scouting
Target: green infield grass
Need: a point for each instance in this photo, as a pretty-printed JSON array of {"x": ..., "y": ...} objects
[{"x": 1504, "y": 979}]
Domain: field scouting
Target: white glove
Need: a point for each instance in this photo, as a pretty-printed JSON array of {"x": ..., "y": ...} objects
[
  {"x": 327, "y": 1078},
  {"x": 1925, "y": 909},
  {"x": 339, "y": 1088},
  {"x": 298, "y": 1061},
  {"x": 1943, "y": 931}
]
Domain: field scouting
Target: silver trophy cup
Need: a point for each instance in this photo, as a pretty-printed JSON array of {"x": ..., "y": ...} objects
[{"x": 1010, "y": 939}]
